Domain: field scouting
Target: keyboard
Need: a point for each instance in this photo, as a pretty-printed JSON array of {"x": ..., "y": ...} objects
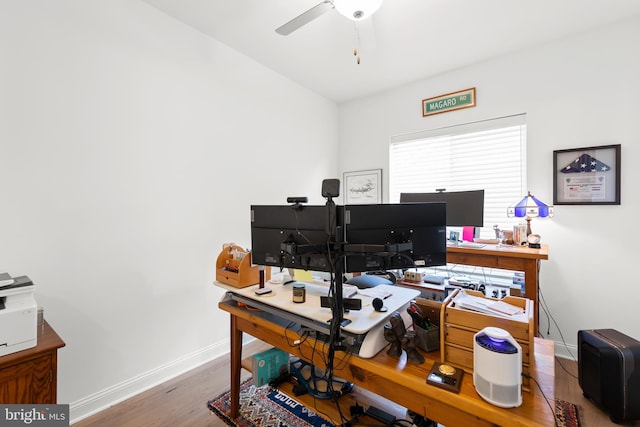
[
  {"x": 470, "y": 245},
  {"x": 434, "y": 279}
]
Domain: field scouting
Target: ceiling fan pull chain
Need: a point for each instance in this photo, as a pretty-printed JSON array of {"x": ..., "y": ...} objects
[
  {"x": 355, "y": 38},
  {"x": 356, "y": 50}
]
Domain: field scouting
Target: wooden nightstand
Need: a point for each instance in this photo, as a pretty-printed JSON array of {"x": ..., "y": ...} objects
[{"x": 30, "y": 376}]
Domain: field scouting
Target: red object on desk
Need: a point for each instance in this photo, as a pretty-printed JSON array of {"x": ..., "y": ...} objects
[{"x": 467, "y": 233}]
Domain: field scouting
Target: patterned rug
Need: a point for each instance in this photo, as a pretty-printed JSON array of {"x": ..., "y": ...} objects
[
  {"x": 568, "y": 414},
  {"x": 261, "y": 407}
]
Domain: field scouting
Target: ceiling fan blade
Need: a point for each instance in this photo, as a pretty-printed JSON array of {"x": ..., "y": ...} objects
[{"x": 305, "y": 18}]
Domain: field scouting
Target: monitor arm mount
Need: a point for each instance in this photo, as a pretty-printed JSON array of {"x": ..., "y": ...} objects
[{"x": 331, "y": 189}]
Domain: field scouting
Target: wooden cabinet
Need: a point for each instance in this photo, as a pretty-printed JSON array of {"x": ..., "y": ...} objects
[{"x": 30, "y": 376}]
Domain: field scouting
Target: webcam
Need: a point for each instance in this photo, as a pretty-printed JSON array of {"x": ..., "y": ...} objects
[
  {"x": 297, "y": 200},
  {"x": 378, "y": 305}
]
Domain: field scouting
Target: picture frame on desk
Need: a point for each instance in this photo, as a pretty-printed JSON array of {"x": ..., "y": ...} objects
[
  {"x": 363, "y": 187},
  {"x": 587, "y": 176}
]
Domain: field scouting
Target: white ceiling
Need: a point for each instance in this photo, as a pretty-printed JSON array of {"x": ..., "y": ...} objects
[{"x": 414, "y": 39}]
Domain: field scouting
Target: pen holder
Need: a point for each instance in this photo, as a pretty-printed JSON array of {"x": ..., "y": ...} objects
[{"x": 428, "y": 339}]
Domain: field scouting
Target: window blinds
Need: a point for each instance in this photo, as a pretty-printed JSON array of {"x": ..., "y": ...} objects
[{"x": 487, "y": 155}]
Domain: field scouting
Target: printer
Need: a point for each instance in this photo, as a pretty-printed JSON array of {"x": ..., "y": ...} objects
[{"x": 18, "y": 314}]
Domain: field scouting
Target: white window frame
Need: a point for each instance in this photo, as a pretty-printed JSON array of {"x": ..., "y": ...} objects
[{"x": 475, "y": 143}]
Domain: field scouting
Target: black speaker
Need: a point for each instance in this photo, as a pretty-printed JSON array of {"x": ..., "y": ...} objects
[
  {"x": 609, "y": 372},
  {"x": 330, "y": 188}
]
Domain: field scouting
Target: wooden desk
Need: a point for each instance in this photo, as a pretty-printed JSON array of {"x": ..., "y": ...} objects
[
  {"x": 30, "y": 376},
  {"x": 398, "y": 381},
  {"x": 517, "y": 258}
]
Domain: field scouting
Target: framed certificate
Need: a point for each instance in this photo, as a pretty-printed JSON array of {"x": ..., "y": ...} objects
[{"x": 587, "y": 176}]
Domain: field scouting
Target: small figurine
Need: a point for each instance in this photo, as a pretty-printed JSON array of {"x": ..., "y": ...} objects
[
  {"x": 395, "y": 349},
  {"x": 396, "y": 333},
  {"x": 409, "y": 343}
]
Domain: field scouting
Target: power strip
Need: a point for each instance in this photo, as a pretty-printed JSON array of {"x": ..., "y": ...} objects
[{"x": 380, "y": 415}]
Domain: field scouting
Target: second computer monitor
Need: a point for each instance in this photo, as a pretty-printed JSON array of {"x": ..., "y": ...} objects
[
  {"x": 377, "y": 236},
  {"x": 464, "y": 208}
]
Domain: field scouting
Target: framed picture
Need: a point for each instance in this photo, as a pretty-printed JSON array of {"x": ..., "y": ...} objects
[
  {"x": 363, "y": 187},
  {"x": 587, "y": 176}
]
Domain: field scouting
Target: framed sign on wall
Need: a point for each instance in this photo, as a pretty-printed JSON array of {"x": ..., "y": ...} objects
[
  {"x": 449, "y": 102},
  {"x": 587, "y": 176}
]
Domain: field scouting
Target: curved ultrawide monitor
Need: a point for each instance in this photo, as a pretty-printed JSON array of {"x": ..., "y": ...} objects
[{"x": 464, "y": 208}]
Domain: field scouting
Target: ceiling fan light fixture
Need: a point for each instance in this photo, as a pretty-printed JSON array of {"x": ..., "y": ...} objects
[{"x": 357, "y": 9}]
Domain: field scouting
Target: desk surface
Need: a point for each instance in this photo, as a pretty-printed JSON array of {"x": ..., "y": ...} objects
[
  {"x": 503, "y": 251},
  {"x": 405, "y": 383},
  {"x": 362, "y": 321}
]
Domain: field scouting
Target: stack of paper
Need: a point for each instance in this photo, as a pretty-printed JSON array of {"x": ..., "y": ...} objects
[
  {"x": 375, "y": 292},
  {"x": 489, "y": 306},
  {"x": 5, "y": 279}
]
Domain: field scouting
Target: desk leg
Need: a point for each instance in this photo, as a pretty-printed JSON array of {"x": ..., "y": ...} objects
[
  {"x": 531, "y": 290},
  {"x": 236, "y": 366}
]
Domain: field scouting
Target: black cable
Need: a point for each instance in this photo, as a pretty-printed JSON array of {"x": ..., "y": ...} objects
[
  {"x": 544, "y": 303},
  {"x": 304, "y": 335},
  {"x": 553, "y": 411},
  {"x": 295, "y": 212},
  {"x": 336, "y": 399},
  {"x": 571, "y": 374}
]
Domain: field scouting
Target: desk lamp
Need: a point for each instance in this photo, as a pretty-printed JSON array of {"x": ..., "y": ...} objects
[{"x": 528, "y": 208}]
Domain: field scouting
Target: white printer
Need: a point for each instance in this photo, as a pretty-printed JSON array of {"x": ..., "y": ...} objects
[{"x": 18, "y": 315}]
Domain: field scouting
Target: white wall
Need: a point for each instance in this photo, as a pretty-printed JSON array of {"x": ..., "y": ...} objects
[
  {"x": 131, "y": 148},
  {"x": 579, "y": 92}
]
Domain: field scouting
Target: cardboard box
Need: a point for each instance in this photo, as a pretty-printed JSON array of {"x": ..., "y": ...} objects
[
  {"x": 268, "y": 364},
  {"x": 458, "y": 326}
]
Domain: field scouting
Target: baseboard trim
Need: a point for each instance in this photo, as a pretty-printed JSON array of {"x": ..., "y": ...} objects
[
  {"x": 566, "y": 351},
  {"x": 96, "y": 402}
]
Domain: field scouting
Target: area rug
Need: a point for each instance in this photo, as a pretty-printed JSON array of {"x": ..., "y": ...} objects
[
  {"x": 568, "y": 414},
  {"x": 263, "y": 407}
]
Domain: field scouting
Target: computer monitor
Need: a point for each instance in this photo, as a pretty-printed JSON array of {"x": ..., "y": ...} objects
[
  {"x": 394, "y": 236},
  {"x": 292, "y": 236},
  {"x": 370, "y": 237},
  {"x": 464, "y": 208}
]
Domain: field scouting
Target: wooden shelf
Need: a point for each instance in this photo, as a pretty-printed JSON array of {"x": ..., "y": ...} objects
[
  {"x": 398, "y": 381},
  {"x": 324, "y": 407}
]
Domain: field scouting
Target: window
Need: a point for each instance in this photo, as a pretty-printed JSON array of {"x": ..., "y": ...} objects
[{"x": 487, "y": 155}]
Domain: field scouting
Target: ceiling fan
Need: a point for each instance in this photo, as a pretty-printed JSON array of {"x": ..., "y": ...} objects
[{"x": 356, "y": 10}]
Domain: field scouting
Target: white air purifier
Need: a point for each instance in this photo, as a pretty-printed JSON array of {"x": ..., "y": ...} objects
[{"x": 497, "y": 367}]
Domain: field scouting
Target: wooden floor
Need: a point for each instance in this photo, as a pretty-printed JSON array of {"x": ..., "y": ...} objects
[{"x": 182, "y": 401}]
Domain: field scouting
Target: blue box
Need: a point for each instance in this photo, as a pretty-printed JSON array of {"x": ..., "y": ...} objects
[{"x": 269, "y": 364}]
